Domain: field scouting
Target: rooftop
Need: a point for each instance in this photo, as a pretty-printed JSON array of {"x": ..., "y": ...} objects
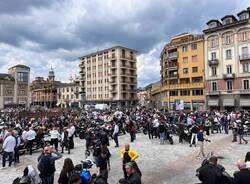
[
  {"x": 101, "y": 51},
  {"x": 20, "y": 66}
]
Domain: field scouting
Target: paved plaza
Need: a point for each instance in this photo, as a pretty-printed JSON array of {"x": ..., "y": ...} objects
[{"x": 161, "y": 164}]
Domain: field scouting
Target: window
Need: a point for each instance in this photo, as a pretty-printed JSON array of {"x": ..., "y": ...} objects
[
  {"x": 194, "y": 46},
  {"x": 23, "y": 76},
  {"x": 229, "y": 69},
  {"x": 229, "y": 85},
  {"x": 245, "y": 67},
  {"x": 184, "y": 49},
  {"x": 72, "y": 89},
  {"x": 185, "y": 59},
  {"x": 246, "y": 84},
  {"x": 194, "y": 58},
  {"x": 173, "y": 93},
  {"x": 185, "y": 70},
  {"x": 213, "y": 43},
  {"x": 197, "y": 92},
  {"x": 195, "y": 69},
  {"x": 67, "y": 89},
  {"x": 213, "y": 55},
  {"x": 243, "y": 16},
  {"x": 244, "y": 36},
  {"x": 244, "y": 52},
  {"x": 228, "y": 40},
  {"x": 214, "y": 71},
  {"x": 67, "y": 97},
  {"x": 214, "y": 86},
  {"x": 228, "y": 54},
  {"x": 227, "y": 21},
  {"x": 72, "y": 96},
  {"x": 185, "y": 92}
]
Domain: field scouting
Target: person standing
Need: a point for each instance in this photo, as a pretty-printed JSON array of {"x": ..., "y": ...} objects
[
  {"x": 115, "y": 135},
  {"x": 103, "y": 164},
  {"x": 241, "y": 133},
  {"x": 54, "y": 135},
  {"x": 127, "y": 155},
  {"x": 134, "y": 177},
  {"x": 132, "y": 130},
  {"x": 67, "y": 171},
  {"x": 65, "y": 141},
  {"x": 194, "y": 132},
  {"x": 71, "y": 131},
  {"x": 18, "y": 142},
  {"x": 201, "y": 139},
  {"x": 30, "y": 136},
  {"x": 9, "y": 145},
  {"x": 46, "y": 164},
  {"x": 162, "y": 131}
]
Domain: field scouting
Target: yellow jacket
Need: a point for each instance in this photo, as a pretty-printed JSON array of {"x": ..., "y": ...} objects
[{"x": 132, "y": 154}]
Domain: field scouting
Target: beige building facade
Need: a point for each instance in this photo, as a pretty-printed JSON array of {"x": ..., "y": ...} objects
[
  {"x": 68, "y": 95},
  {"x": 109, "y": 76},
  {"x": 14, "y": 87},
  {"x": 227, "y": 58}
]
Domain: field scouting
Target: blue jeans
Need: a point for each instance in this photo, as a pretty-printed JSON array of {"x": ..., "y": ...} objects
[
  {"x": 162, "y": 138},
  {"x": 48, "y": 179}
]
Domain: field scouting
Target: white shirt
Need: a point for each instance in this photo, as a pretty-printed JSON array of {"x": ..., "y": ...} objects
[
  {"x": 71, "y": 131},
  {"x": 54, "y": 134},
  {"x": 24, "y": 135},
  {"x": 116, "y": 129},
  {"x": 156, "y": 123},
  {"x": 248, "y": 164},
  {"x": 31, "y": 135},
  {"x": 9, "y": 144}
]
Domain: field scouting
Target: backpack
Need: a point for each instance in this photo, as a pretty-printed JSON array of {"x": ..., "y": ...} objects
[
  {"x": 16, "y": 181},
  {"x": 85, "y": 176}
]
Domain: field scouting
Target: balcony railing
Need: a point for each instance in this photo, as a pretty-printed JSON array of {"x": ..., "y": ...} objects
[
  {"x": 229, "y": 76},
  {"x": 213, "y": 62},
  {"x": 244, "y": 57},
  {"x": 173, "y": 55}
]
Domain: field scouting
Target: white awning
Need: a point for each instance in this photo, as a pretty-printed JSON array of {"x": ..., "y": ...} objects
[
  {"x": 58, "y": 104},
  {"x": 228, "y": 102},
  {"x": 213, "y": 102},
  {"x": 244, "y": 102}
]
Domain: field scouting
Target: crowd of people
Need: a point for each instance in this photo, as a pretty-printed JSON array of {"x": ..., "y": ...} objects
[{"x": 20, "y": 134}]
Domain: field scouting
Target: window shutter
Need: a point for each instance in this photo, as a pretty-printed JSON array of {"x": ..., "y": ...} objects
[
  {"x": 224, "y": 40},
  {"x": 209, "y": 43},
  {"x": 239, "y": 37},
  {"x": 232, "y": 39}
]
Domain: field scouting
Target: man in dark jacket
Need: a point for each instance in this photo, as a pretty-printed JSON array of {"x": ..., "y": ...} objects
[
  {"x": 46, "y": 164},
  {"x": 134, "y": 177},
  {"x": 242, "y": 176},
  {"x": 211, "y": 173}
]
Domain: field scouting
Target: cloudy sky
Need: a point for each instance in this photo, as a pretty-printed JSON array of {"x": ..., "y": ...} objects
[{"x": 44, "y": 33}]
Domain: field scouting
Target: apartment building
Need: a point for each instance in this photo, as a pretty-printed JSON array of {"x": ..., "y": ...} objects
[
  {"x": 109, "y": 76},
  {"x": 14, "y": 87},
  {"x": 7, "y": 84},
  {"x": 227, "y": 57},
  {"x": 182, "y": 72},
  {"x": 68, "y": 95}
]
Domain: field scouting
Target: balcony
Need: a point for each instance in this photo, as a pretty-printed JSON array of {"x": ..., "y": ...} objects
[
  {"x": 172, "y": 67},
  {"x": 213, "y": 93},
  {"x": 213, "y": 62},
  {"x": 229, "y": 76},
  {"x": 245, "y": 92},
  {"x": 173, "y": 55},
  {"x": 170, "y": 77},
  {"x": 244, "y": 57}
]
